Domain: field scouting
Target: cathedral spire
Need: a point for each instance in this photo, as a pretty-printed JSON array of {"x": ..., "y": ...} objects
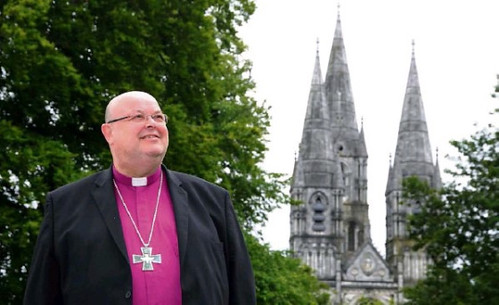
[
  {"x": 339, "y": 6},
  {"x": 413, "y": 150},
  {"x": 315, "y": 142},
  {"x": 437, "y": 178},
  {"x": 317, "y": 75},
  {"x": 316, "y": 108},
  {"x": 362, "y": 149},
  {"x": 315, "y": 145},
  {"x": 338, "y": 87}
]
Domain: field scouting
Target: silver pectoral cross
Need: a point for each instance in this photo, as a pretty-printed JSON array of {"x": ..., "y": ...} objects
[{"x": 147, "y": 259}]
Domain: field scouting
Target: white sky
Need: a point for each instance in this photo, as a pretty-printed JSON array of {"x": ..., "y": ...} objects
[{"x": 457, "y": 56}]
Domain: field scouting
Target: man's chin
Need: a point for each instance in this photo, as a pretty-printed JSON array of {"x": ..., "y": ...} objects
[{"x": 156, "y": 153}]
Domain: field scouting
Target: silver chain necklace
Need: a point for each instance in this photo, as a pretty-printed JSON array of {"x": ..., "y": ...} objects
[{"x": 147, "y": 258}]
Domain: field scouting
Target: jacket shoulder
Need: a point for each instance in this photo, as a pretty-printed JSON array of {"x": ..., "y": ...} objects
[
  {"x": 194, "y": 181},
  {"x": 83, "y": 183}
]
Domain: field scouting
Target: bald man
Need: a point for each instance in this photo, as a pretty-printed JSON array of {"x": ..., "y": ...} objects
[{"x": 138, "y": 233}]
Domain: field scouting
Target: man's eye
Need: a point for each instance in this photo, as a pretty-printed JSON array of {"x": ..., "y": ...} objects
[
  {"x": 138, "y": 117},
  {"x": 157, "y": 117}
]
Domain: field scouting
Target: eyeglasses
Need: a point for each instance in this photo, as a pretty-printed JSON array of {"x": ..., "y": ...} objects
[{"x": 140, "y": 118}]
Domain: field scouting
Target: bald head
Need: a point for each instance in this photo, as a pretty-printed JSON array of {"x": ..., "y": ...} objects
[{"x": 113, "y": 104}]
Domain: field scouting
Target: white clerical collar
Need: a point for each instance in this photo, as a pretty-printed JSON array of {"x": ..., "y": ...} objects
[
  {"x": 142, "y": 181},
  {"x": 136, "y": 181}
]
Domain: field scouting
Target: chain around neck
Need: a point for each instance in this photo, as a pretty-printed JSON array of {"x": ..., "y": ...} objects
[{"x": 130, "y": 215}]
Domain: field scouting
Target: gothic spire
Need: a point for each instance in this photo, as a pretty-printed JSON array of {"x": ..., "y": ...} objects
[
  {"x": 413, "y": 152},
  {"x": 315, "y": 144},
  {"x": 317, "y": 75},
  {"x": 338, "y": 87},
  {"x": 362, "y": 148},
  {"x": 437, "y": 180}
]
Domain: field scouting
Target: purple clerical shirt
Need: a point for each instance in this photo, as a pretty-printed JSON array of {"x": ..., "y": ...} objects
[{"x": 160, "y": 286}]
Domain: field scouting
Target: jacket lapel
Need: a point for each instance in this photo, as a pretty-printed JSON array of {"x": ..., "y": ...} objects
[
  {"x": 104, "y": 197},
  {"x": 103, "y": 194},
  {"x": 181, "y": 210}
]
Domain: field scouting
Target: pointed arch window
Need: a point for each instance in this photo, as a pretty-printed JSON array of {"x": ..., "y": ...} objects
[
  {"x": 351, "y": 235},
  {"x": 360, "y": 238},
  {"x": 355, "y": 235}
]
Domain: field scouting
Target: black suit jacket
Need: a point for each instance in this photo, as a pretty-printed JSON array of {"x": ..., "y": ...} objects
[{"x": 81, "y": 258}]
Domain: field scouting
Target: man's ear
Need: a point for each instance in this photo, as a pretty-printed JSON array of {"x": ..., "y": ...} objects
[{"x": 107, "y": 132}]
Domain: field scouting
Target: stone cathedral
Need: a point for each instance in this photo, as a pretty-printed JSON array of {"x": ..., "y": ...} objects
[{"x": 330, "y": 230}]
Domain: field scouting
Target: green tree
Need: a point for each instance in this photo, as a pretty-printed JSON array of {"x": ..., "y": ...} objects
[
  {"x": 459, "y": 227},
  {"x": 61, "y": 62},
  {"x": 368, "y": 301},
  {"x": 283, "y": 280},
  {"x": 23, "y": 185}
]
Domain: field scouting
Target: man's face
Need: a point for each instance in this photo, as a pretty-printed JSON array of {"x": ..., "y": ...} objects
[{"x": 134, "y": 141}]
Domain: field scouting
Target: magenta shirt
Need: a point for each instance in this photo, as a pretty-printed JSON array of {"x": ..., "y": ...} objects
[{"x": 160, "y": 286}]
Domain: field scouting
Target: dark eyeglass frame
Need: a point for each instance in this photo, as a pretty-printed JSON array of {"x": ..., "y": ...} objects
[{"x": 139, "y": 115}]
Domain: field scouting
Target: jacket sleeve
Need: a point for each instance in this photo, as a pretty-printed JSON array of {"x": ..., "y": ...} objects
[
  {"x": 43, "y": 287},
  {"x": 240, "y": 272}
]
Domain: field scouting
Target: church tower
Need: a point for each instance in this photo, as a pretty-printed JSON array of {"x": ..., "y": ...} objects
[
  {"x": 413, "y": 157},
  {"x": 349, "y": 148},
  {"x": 330, "y": 173},
  {"x": 316, "y": 183},
  {"x": 330, "y": 229}
]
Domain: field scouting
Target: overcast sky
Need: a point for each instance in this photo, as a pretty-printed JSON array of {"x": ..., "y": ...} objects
[{"x": 457, "y": 57}]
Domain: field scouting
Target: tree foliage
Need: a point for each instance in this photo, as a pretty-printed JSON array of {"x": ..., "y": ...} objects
[
  {"x": 459, "y": 227},
  {"x": 368, "y": 301},
  {"x": 62, "y": 61},
  {"x": 283, "y": 280}
]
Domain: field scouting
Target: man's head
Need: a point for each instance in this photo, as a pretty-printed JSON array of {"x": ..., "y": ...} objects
[{"x": 136, "y": 132}]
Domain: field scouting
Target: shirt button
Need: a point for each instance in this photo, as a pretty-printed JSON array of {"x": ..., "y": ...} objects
[{"x": 128, "y": 294}]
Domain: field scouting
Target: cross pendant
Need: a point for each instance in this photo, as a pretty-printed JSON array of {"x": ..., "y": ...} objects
[{"x": 147, "y": 259}]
